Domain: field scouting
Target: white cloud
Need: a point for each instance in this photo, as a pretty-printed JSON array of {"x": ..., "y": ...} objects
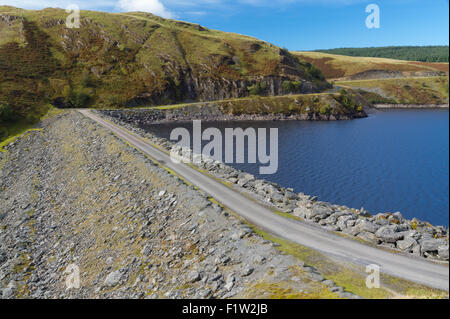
[{"x": 152, "y": 6}]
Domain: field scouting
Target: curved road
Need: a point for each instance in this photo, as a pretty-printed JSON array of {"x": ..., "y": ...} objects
[{"x": 410, "y": 268}]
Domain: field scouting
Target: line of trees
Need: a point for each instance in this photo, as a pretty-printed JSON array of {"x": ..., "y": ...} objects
[{"x": 430, "y": 53}]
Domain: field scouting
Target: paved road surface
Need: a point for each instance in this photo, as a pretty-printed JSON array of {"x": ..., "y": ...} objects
[{"x": 410, "y": 268}]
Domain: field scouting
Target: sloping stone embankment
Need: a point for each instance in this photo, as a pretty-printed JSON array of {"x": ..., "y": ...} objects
[{"x": 73, "y": 196}]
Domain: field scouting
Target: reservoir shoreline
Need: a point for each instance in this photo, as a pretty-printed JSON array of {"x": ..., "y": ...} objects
[
  {"x": 411, "y": 106},
  {"x": 385, "y": 230}
]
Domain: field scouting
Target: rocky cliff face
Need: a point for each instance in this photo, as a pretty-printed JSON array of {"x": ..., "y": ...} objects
[
  {"x": 208, "y": 89},
  {"x": 324, "y": 107}
]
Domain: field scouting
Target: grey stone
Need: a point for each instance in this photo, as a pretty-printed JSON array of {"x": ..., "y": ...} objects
[
  {"x": 370, "y": 237},
  {"x": 7, "y": 293},
  {"x": 406, "y": 244},
  {"x": 332, "y": 228},
  {"x": 162, "y": 193},
  {"x": 318, "y": 212},
  {"x": 228, "y": 286},
  {"x": 416, "y": 251},
  {"x": 387, "y": 245},
  {"x": 343, "y": 221},
  {"x": 301, "y": 211},
  {"x": 147, "y": 250},
  {"x": 366, "y": 226},
  {"x": 387, "y": 234},
  {"x": 443, "y": 252},
  {"x": 247, "y": 271},
  {"x": 399, "y": 216},
  {"x": 194, "y": 276},
  {"x": 290, "y": 195},
  {"x": 315, "y": 276},
  {"x": 259, "y": 259},
  {"x": 432, "y": 244},
  {"x": 216, "y": 276},
  {"x": 113, "y": 278},
  {"x": 277, "y": 197},
  {"x": 330, "y": 220},
  {"x": 204, "y": 293}
]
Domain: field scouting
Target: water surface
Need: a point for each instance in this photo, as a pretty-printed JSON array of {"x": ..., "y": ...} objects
[{"x": 394, "y": 160}]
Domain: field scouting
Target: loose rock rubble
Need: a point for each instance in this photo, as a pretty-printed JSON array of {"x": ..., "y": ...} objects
[
  {"x": 385, "y": 230},
  {"x": 77, "y": 200}
]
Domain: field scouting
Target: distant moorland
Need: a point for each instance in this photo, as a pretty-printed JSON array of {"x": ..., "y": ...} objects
[
  {"x": 437, "y": 53},
  {"x": 335, "y": 66}
]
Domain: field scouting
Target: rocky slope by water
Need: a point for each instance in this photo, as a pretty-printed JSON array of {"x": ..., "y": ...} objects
[
  {"x": 344, "y": 105},
  {"x": 385, "y": 230},
  {"x": 72, "y": 194}
]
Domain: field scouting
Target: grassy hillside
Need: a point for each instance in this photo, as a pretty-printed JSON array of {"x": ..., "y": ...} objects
[
  {"x": 432, "y": 90},
  {"x": 338, "y": 66},
  {"x": 117, "y": 60},
  {"x": 430, "y": 53},
  {"x": 343, "y": 103}
]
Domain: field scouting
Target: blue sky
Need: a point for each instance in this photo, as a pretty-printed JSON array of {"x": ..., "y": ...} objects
[{"x": 294, "y": 24}]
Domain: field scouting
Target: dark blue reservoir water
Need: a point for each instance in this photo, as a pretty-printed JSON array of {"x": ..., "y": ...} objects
[{"x": 394, "y": 160}]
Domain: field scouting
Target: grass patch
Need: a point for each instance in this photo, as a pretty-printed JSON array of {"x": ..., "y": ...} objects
[
  {"x": 430, "y": 90},
  {"x": 282, "y": 290},
  {"x": 17, "y": 131}
]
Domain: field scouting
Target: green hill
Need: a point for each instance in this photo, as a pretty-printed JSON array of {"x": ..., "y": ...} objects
[
  {"x": 131, "y": 59},
  {"x": 430, "y": 53},
  {"x": 335, "y": 66}
]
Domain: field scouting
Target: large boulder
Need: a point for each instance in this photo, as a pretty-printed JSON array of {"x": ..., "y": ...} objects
[
  {"x": 416, "y": 251},
  {"x": 381, "y": 219},
  {"x": 367, "y": 236},
  {"x": 367, "y": 226},
  {"x": 432, "y": 244},
  {"x": 330, "y": 220},
  {"x": 398, "y": 216},
  {"x": 319, "y": 212},
  {"x": 407, "y": 244},
  {"x": 290, "y": 195},
  {"x": 345, "y": 221},
  {"x": 388, "y": 234},
  {"x": 113, "y": 278},
  {"x": 315, "y": 212},
  {"x": 193, "y": 276},
  {"x": 443, "y": 252},
  {"x": 301, "y": 211}
]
